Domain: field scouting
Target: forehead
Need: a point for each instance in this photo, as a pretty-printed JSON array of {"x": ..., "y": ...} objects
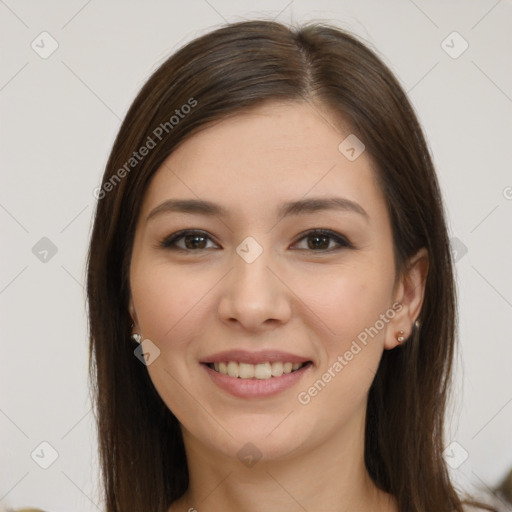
[{"x": 270, "y": 154}]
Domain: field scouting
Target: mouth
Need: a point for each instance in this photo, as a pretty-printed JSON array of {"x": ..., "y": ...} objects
[
  {"x": 255, "y": 375},
  {"x": 260, "y": 371}
]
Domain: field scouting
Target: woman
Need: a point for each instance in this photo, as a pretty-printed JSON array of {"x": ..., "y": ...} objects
[{"x": 270, "y": 287}]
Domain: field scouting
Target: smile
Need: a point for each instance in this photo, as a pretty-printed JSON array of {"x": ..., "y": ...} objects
[
  {"x": 263, "y": 383},
  {"x": 261, "y": 371}
]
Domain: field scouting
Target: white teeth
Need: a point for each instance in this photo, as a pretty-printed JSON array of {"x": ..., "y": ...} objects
[
  {"x": 261, "y": 371},
  {"x": 277, "y": 369},
  {"x": 246, "y": 371},
  {"x": 232, "y": 369}
]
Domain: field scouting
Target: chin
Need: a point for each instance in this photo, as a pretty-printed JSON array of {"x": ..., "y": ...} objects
[{"x": 264, "y": 437}]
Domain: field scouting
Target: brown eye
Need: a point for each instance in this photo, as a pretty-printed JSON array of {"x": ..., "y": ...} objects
[
  {"x": 320, "y": 241},
  {"x": 192, "y": 241}
]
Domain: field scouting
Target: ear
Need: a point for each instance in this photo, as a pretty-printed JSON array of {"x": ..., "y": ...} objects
[{"x": 409, "y": 292}]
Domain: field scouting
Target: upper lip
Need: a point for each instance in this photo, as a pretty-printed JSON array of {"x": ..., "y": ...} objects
[{"x": 262, "y": 356}]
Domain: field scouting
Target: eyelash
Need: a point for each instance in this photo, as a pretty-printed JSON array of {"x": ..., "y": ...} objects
[{"x": 170, "y": 241}]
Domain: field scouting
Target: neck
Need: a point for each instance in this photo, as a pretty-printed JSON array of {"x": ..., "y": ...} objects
[{"x": 329, "y": 476}]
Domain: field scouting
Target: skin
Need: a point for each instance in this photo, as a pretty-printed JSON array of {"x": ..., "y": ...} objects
[{"x": 294, "y": 297}]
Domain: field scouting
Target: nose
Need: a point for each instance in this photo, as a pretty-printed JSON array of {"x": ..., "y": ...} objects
[{"x": 254, "y": 295}]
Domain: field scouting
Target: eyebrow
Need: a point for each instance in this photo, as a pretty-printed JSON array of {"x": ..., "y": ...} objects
[{"x": 290, "y": 208}]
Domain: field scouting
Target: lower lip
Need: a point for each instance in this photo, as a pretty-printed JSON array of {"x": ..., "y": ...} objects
[{"x": 256, "y": 388}]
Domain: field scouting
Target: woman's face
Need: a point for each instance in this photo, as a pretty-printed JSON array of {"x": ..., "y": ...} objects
[{"x": 255, "y": 286}]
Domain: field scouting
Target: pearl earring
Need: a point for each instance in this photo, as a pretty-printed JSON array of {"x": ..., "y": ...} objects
[
  {"x": 137, "y": 338},
  {"x": 400, "y": 337}
]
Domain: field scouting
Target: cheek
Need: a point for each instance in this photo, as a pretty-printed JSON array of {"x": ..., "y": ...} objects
[
  {"x": 352, "y": 307},
  {"x": 347, "y": 300},
  {"x": 167, "y": 301},
  {"x": 170, "y": 304},
  {"x": 355, "y": 304}
]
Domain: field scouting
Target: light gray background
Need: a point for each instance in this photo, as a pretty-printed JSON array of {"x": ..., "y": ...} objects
[{"x": 59, "y": 117}]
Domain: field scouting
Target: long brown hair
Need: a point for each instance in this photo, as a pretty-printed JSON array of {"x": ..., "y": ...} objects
[{"x": 217, "y": 75}]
